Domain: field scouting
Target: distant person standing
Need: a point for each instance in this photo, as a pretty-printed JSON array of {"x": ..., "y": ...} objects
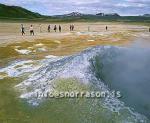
[
  {"x": 106, "y": 28},
  {"x": 72, "y": 27},
  {"x": 59, "y": 28},
  {"x": 22, "y": 29},
  {"x": 55, "y": 28},
  {"x": 31, "y": 30},
  {"x": 40, "y": 28},
  {"x": 49, "y": 28},
  {"x": 88, "y": 28},
  {"x": 149, "y": 29}
]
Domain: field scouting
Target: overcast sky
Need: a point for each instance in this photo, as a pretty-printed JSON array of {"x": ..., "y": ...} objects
[{"x": 57, "y": 7}]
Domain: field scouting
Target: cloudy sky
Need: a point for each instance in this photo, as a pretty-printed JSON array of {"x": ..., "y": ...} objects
[{"x": 57, "y": 7}]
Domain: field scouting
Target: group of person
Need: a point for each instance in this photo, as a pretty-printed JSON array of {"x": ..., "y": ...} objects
[
  {"x": 23, "y": 30},
  {"x": 49, "y": 28},
  {"x": 55, "y": 28}
]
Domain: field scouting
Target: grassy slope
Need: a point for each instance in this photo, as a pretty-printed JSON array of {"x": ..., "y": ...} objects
[{"x": 16, "y": 12}]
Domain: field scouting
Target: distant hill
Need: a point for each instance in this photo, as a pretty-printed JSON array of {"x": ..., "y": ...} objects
[
  {"x": 16, "y": 12},
  {"x": 146, "y": 15}
]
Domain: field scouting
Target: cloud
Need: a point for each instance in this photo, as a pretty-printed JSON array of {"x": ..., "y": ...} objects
[
  {"x": 125, "y": 5},
  {"x": 55, "y": 7}
]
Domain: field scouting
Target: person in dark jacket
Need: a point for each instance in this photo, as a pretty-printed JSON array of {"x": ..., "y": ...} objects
[
  {"x": 72, "y": 27},
  {"x": 49, "y": 28},
  {"x": 59, "y": 28},
  {"x": 22, "y": 29},
  {"x": 55, "y": 28},
  {"x": 106, "y": 28}
]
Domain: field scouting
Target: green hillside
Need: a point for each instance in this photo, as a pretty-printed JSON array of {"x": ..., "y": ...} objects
[{"x": 16, "y": 12}]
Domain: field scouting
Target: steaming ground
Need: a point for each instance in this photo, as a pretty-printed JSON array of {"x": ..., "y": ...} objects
[
  {"x": 104, "y": 68},
  {"x": 128, "y": 71},
  {"x": 56, "y": 62}
]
